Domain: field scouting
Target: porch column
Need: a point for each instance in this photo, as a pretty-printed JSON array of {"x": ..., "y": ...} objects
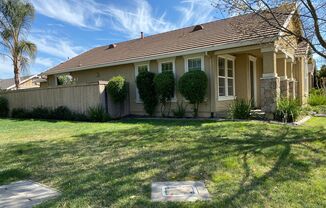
[
  {"x": 270, "y": 82},
  {"x": 291, "y": 79},
  {"x": 282, "y": 72}
]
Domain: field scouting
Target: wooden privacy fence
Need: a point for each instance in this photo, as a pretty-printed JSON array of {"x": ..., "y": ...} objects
[{"x": 77, "y": 98}]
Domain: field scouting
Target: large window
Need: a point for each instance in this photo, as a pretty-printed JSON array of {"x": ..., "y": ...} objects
[
  {"x": 226, "y": 77},
  {"x": 138, "y": 69}
]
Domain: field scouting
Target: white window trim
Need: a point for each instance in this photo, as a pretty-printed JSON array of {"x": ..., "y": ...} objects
[
  {"x": 186, "y": 58},
  {"x": 230, "y": 58},
  {"x": 162, "y": 61},
  {"x": 138, "y": 100},
  {"x": 254, "y": 60}
]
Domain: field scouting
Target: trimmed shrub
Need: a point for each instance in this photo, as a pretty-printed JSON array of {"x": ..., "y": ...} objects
[
  {"x": 62, "y": 113},
  {"x": 165, "y": 87},
  {"x": 117, "y": 89},
  {"x": 79, "y": 117},
  {"x": 147, "y": 92},
  {"x": 97, "y": 114},
  {"x": 41, "y": 113},
  {"x": 287, "y": 110},
  {"x": 193, "y": 86},
  {"x": 180, "y": 111},
  {"x": 240, "y": 109},
  {"x": 20, "y": 113},
  {"x": 4, "y": 107}
]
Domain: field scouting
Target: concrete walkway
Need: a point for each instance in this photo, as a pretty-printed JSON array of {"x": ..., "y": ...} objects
[{"x": 24, "y": 194}]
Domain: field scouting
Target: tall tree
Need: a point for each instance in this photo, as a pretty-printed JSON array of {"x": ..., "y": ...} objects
[
  {"x": 16, "y": 17},
  {"x": 309, "y": 14}
]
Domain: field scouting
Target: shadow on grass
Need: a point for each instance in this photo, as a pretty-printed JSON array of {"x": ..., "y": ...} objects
[
  {"x": 14, "y": 174},
  {"x": 116, "y": 168}
]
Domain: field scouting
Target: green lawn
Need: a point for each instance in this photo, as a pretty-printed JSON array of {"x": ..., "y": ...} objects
[{"x": 244, "y": 164}]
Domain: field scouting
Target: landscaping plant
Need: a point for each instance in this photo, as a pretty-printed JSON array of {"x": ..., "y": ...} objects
[
  {"x": 117, "y": 89},
  {"x": 4, "y": 107},
  {"x": 147, "y": 92},
  {"x": 317, "y": 97},
  {"x": 165, "y": 87},
  {"x": 180, "y": 111},
  {"x": 240, "y": 109},
  {"x": 98, "y": 114},
  {"x": 287, "y": 110},
  {"x": 193, "y": 86},
  {"x": 62, "y": 113},
  {"x": 41, "y": 113},
  {"x": 20, "y": 113}
]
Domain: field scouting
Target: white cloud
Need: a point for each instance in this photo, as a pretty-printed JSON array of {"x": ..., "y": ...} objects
[
  {"x": 6, "y": 68},
  {"x": 194, "y": 12},
  {"x": 137, "y": 18},
  {"x": 131, "y": 19},
  {"x": 57, "y": 47},
  {"x": 47, "y": 62},
  {"x": 84, "y": 13}
]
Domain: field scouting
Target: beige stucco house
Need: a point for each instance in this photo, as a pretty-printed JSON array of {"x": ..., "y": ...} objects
[{"x": 259, "y": 66}]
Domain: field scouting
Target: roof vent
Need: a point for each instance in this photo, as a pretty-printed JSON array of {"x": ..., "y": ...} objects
[
  {"x": 198, "y": 27},
  {"x": 112, "y": 46}
]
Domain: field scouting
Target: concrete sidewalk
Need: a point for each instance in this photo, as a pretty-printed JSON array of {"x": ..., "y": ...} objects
[{"x": 25, "y": 194}]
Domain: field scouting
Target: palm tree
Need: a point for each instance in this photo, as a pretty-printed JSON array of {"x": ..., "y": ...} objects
[{"x": 16, "y": 17}]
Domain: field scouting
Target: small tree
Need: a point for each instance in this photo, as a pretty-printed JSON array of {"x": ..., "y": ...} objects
[
  {"x": 193, "y": 86},
  {"x": 117, "y": 89},
  {"x": 147, "y": 92},
  {"x": 164, "y": 85}
]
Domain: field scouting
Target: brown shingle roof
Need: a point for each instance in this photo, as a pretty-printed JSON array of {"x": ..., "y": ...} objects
[
  {"x": 216, "y": 33},
  {"x": 6, "y": 83}
]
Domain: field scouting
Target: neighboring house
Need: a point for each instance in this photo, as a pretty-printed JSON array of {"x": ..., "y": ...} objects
[
  {"x": 259, "y": 66},
  {"x": 25, "y": 83}
]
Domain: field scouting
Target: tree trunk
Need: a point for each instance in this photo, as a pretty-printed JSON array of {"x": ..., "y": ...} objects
[{"x": 17, "y": 77}]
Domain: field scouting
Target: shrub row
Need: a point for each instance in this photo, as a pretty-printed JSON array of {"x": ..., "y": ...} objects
[
  {"x": 153, "y": 88},
  {"x": 4, "y": 107},
  {"x": 96, "y": 114}
]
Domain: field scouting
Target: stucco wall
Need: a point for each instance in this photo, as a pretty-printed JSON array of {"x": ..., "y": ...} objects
[{"x": 211, "y": 104}]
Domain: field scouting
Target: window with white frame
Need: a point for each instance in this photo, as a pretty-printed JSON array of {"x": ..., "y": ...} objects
[
  {"x": 138, "y": 69},
  {"x": 194, "y": 63},
  {"x": 168, "y": 65},
  {"x": 226, "y": 89}
]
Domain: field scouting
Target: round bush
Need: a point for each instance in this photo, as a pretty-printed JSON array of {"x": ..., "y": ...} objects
[
  {"x": 193, "y": 86},
  {"x": 62, "y": 113},
  {"x": 4, "y": 107},
  {"x": 164, "y": 85},
  {"x": 117, "y": 89},
  {"x": 146, "y": 90},
  {"x": 20, "y": 113}
]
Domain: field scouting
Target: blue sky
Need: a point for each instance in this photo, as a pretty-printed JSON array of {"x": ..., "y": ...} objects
[{"x": 66, "y": 28}]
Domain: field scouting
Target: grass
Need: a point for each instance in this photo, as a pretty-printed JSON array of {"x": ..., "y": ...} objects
[{"x": 243, "y": 164}]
